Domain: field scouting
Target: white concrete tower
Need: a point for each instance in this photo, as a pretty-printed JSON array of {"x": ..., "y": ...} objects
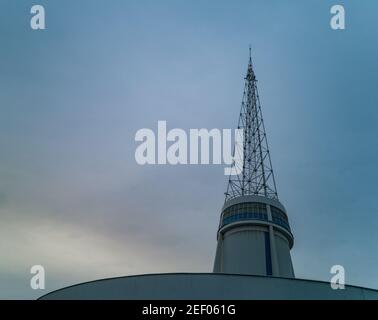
[{"x": 254, "y": 235}]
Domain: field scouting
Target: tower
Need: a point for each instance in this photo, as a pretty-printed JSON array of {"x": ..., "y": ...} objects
[{"x": 254, "y": 235}]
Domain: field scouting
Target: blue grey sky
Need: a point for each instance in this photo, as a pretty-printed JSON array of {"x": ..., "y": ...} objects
[{"x": 72, "y": 197}]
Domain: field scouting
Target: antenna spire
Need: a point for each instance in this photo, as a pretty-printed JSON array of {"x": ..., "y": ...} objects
[{"x": 256, "y": 176}]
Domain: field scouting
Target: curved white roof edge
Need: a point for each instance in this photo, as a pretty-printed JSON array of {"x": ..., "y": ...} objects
[{"x": 207, "y": 286}]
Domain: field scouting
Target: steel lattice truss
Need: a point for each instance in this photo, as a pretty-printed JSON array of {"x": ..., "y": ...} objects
[{"x": 256, "y": 176}]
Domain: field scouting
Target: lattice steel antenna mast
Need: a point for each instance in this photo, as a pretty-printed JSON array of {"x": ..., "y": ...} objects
[{"x": 256, "y": 177}]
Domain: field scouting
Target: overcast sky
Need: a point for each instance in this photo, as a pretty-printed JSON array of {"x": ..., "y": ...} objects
[{"x": 73, "y": 198}]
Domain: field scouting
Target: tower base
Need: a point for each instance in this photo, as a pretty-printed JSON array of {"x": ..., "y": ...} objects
[{"x": 254, "y": 238}]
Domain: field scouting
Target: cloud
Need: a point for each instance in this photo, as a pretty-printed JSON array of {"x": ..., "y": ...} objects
[{"x": 74, "y": 252}]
